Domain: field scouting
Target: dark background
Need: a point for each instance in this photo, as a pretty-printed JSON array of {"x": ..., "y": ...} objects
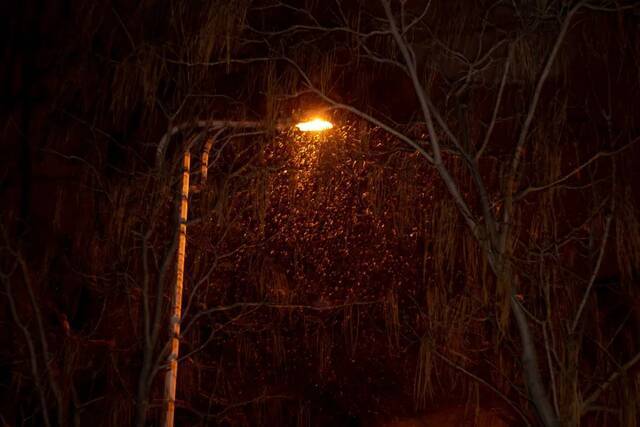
[{"x": 88, "y": 88}]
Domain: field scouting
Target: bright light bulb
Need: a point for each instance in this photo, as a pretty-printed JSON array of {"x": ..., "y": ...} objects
[{"x": 315, "y": 125}]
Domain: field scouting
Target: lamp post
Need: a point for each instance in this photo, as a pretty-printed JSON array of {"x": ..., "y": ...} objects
[{"x": 314, "y": 125}]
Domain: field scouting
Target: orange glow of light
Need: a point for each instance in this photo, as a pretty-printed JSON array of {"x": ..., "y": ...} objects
[{"x": 314, "y": 125}]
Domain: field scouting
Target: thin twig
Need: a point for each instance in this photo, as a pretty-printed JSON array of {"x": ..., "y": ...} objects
[{"x": 594, "y": 274}]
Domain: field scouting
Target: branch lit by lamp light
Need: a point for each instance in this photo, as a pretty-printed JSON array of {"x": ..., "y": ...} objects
[{"x": 314, "y": 125}]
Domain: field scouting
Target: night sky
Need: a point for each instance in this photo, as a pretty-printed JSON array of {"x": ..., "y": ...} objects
[{"x": 460, "y": 246}]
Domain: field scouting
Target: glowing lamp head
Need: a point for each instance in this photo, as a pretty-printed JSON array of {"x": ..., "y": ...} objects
[{"x": 315, "y": 125}]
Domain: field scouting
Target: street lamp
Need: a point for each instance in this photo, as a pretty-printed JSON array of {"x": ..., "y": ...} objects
[{"x": 314, "y": 125}]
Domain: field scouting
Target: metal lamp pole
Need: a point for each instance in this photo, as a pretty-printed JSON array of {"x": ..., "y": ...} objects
[{"x": 315, "y": 125}]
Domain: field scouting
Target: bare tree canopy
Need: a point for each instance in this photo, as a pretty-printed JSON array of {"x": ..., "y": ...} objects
[{"x": 462, "y": 247}]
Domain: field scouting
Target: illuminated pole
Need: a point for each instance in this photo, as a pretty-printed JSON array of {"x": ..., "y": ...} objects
[
  {"x": 176, "y": 306},
  {"x": 315, "y": 125}
]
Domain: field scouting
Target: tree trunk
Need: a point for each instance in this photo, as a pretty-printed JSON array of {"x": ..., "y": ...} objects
[
  {"x": 531, "y": 371},
  {"x": 142, "y": 399}
]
